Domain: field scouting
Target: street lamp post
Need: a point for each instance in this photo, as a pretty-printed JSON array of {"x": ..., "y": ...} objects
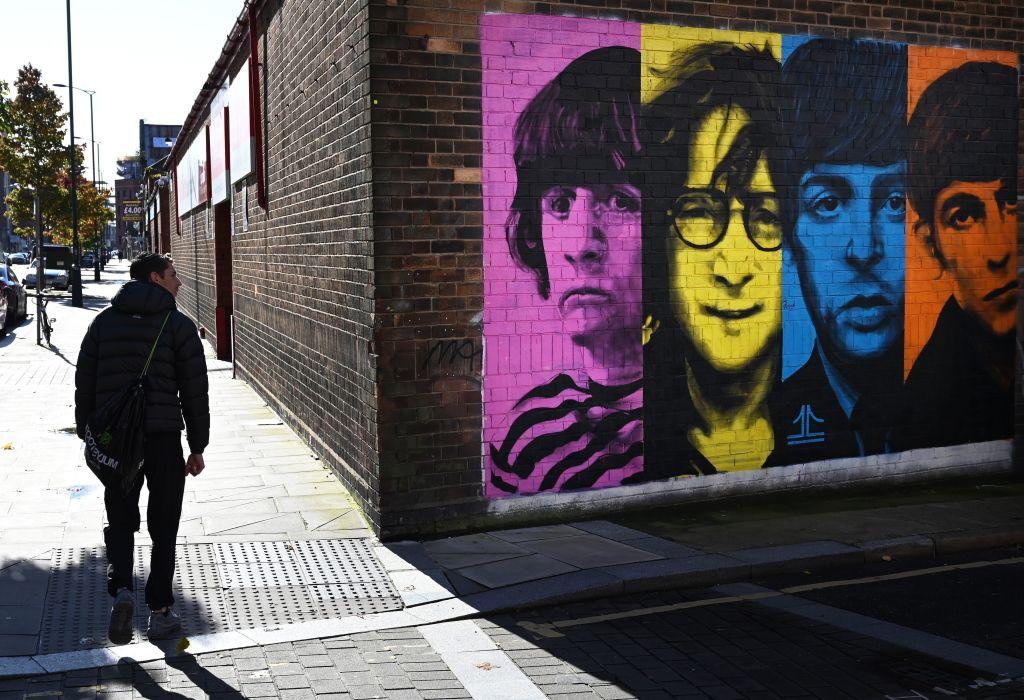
[
  {"x": 76, "y": 267},
  {"x": 92, "y": 149}
]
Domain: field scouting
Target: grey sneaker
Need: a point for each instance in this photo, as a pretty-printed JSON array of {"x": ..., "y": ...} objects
[
  {"x": 120, "y": 630},
  {"x": 163, "y": 625}
]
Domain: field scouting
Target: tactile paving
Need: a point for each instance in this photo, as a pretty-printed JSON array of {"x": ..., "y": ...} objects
[
  {"x": 251, "y": 552},
  {"x": 202, "y": 611},
  {"x": 77, "y": 606},
  {"x": 271, "y": 606},
  {"x": 259, "y": 574},
  {"x": 220, "y": 587},
  {"x": 343, "y": 599},
  {"x": 338, "y": 561}
]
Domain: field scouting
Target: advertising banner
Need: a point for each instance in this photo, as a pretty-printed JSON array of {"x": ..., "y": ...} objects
[
  {"x": 238, "y": 125},
  {"x": 202, "y": 166},
  {"x": 131, "y": 210},
  {"x": 218, "y": 147},
  {"x": 181, "y": 185}
]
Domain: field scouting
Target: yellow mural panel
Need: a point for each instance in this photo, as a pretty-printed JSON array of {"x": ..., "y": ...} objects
[{"x": 723, "y": 234}]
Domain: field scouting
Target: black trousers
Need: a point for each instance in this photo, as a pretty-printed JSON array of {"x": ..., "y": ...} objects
[{"x": 164, "y": 470}]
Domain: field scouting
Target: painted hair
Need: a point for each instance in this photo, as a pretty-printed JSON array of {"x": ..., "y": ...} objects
[
  {"x": 845, "y": 101},
  {"x": 580, "y": 128},
  {"x": 697, "y": 82},
  {"x": 964, "y": 128}
]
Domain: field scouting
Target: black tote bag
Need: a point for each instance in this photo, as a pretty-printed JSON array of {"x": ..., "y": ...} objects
[{"x": 115, "y": 441}]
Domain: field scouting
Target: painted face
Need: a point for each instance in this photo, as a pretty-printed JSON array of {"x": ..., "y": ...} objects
[
  {"x": 725, "y": 257},
  {"x": 849, "y": 241},
  {"x": 975, "y": 230},
  {"x": 592, "y": 250}
]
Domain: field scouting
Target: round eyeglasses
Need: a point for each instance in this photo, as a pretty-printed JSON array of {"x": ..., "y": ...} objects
[{"x": 701, "y": 218}]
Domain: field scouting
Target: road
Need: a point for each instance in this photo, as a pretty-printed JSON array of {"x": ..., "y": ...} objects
[{"x": 940, "y": 628}]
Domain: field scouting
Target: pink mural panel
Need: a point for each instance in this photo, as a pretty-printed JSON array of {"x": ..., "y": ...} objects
[{"x": 562, "y": 278}]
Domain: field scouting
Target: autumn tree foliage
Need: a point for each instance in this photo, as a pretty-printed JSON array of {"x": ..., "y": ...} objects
[{"x": 33, "y": 152}]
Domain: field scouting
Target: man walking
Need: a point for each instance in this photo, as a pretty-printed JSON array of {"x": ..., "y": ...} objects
[{"x": 113, "y": 353}]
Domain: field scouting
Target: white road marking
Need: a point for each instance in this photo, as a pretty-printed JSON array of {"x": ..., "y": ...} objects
[
  {"x": 484, "y": 670},
  {"x": 549, "y": 629}
]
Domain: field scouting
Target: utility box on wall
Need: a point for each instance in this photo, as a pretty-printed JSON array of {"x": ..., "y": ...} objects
[{"x": 580, "y": 263}]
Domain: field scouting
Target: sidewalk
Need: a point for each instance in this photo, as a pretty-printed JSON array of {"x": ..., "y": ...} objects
[{"x": 273, "y": 549}]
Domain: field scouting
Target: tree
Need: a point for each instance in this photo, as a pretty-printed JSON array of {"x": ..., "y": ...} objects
[
  {"x": 5, "y": 106},
  {"x": 33, "y": 152},
  {"x": 32, "y": 147},
  {"x": 93, "y": 212}
]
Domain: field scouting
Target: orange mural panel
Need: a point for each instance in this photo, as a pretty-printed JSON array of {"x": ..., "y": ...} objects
[{"x": 928, "y": 286}]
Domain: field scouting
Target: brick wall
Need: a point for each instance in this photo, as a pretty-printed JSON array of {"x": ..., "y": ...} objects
[
  {"x": 359, "y": 293},
  {"x": 427, "y": 145},
  {"x": 192, "y": 250},
  {"x": 302, "y": 271}
]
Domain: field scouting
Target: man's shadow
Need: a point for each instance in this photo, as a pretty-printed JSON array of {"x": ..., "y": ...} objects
[{"x": 201, "y": 678}]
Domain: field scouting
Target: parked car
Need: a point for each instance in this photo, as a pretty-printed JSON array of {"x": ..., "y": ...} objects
[
  {"x": 14, "y": 294},
  {"x": 56, "y": 268},
  {"x": 88, "y": 260},
  {"x": 52, "y": 278},
  {"x": 18, "y": 259}
]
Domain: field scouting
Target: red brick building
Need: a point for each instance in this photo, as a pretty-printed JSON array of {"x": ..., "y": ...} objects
[{"x": 344, "y": 202}]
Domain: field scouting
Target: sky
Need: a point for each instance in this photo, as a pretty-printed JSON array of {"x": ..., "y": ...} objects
[{"x": 145, "y": 59}]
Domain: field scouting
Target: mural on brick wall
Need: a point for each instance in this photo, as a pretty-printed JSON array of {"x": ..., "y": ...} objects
[{"x": 710, "y": 251}]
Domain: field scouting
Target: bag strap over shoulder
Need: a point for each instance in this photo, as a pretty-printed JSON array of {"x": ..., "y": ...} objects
[{"x": 155, "y": 341}]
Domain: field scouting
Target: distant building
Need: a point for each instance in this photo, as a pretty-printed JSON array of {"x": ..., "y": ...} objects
[
  {"x": 10, "y": 242},
  {"x": 156, "y": 140},
  {"x": 129, "y": 167}
]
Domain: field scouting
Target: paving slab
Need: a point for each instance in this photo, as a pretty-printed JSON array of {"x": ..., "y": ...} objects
[
  {"x": 471, "y": 550},
  {"x": 19, "y": 666},
  {"x": 512, "y": 571},
  {"x": 588, "y": 551},
  {"x": 18, "y": 644},
  {"x": 609, "y": 530},
  {"x": 544, "y": 532},
  {"x": 421, "y": 586},
  {"x": 280, "y": 524},
  {"x": 349, "y": 520},
  {"x": 457, "y": 637},
  {"x": 402, "y": 556},
  {"x": 666, "y": 548},
  {"x": 19, "y": 619}
]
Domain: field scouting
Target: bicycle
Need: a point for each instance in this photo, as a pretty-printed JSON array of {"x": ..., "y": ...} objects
[{"x": 45, "y": 322}]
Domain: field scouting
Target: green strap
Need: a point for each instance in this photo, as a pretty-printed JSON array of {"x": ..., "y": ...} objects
[{"x": 153, "y": 349}]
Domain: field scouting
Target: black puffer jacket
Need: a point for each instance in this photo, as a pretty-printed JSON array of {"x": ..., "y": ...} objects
[{"x": 114, "y": 352}]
